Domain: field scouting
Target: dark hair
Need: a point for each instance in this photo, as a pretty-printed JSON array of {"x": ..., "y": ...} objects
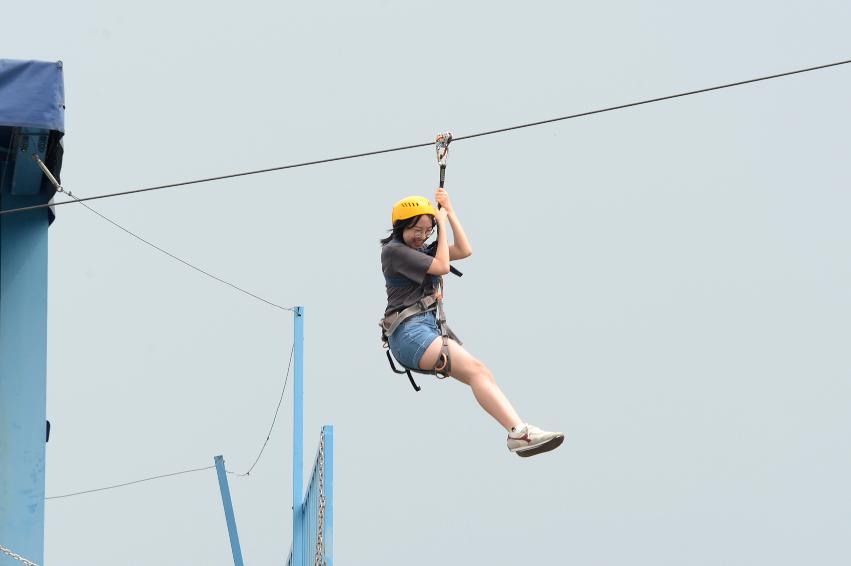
[{"x": 400, "y": 225}]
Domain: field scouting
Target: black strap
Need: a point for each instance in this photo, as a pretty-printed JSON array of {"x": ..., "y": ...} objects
[
  {"x": 407, "y": 371},
  {"x": 431, "y": 250}
]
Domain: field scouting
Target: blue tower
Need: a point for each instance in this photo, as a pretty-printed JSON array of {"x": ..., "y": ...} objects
[{"x": 31, "y": 123}]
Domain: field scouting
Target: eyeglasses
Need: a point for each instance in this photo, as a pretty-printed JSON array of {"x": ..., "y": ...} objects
[{"x": 422, "y": 233}]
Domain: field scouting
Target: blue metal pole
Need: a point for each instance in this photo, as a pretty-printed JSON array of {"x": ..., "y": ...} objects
[
  {"x": 298, "y": 437},
  {"x": 229, "y": 517},
  {"x": 329, "y": 495},
  {"x": 23, "y": 380}
]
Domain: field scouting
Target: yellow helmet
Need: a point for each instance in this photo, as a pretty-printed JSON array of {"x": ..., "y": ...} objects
[{"x": 412, "y": 206}]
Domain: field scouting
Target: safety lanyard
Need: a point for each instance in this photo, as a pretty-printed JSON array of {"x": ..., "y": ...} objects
[{"x": 441, "y": 144}]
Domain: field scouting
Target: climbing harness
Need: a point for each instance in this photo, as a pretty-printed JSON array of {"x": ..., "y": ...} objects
[
  {"x": 406, "y": 208},
  {"x": 389, "y": 324}
]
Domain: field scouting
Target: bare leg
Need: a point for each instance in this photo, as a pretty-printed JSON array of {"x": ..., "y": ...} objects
[{"x": 472, "y": 372}]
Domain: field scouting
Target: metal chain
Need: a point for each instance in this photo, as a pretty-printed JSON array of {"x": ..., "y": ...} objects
[
  {"x": 17, "y": 557},
  {"x": 320, "y": 522}
]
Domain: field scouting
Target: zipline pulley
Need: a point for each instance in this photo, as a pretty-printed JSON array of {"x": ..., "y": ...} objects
[{"x": 441, "y": 144}]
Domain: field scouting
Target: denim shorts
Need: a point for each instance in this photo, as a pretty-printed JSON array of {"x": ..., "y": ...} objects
[{"x": 410, "y": 341}]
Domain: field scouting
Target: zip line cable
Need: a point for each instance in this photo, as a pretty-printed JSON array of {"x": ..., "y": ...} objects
[
  {"x": 652, "y": 100},
  {"x": 248, "y": 473},
  {"x": 219, "y": 178},
  {"x": 431, "y": 143}
]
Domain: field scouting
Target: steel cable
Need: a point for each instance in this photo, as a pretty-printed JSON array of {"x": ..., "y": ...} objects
[{"x": 430, "y": 143}]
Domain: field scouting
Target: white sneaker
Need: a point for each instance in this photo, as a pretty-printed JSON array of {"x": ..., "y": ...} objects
[{"x": 530, "y": 440}]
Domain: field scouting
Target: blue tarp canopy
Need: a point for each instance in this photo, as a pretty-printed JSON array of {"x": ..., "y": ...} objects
[
  {"x": 32, "y": 123},
  {"x": 32, "y": 94}
]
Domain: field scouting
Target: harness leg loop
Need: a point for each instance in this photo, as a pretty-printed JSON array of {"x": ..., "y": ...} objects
[{"x": 446, "y": 366}]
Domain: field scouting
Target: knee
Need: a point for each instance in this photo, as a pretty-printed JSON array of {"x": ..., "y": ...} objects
[{"x": 481, "y": 372}]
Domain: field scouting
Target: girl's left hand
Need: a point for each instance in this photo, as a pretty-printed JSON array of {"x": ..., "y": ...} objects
[{"x": 442, "y": 198}]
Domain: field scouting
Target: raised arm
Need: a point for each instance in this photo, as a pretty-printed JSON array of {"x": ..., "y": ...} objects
[
  {"x": 460, "y": 247},
  {"x": 440, "y": 263}
]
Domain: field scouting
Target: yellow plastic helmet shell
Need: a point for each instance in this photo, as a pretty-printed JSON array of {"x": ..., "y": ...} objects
[{"x": 411, "y": 206}]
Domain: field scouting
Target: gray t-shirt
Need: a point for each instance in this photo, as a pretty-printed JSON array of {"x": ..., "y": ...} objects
[{"x": 406, "y": 275}]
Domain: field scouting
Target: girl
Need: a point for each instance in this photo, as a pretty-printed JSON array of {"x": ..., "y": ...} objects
[{"x": 412, "y": 278}]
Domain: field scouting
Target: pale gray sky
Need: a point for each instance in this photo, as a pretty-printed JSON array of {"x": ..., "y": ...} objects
[{"x": 669, "y": 284}]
